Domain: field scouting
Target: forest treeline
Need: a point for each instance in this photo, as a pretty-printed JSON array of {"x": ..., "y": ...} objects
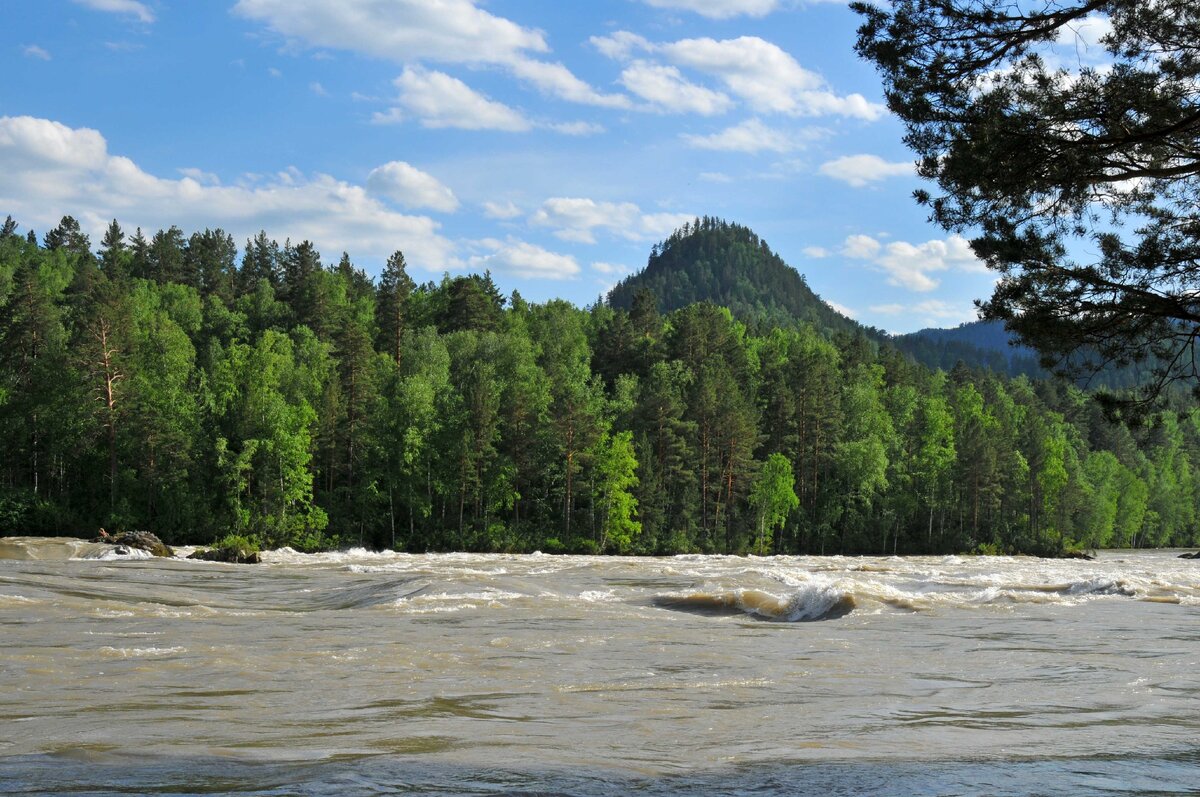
[{"x": 181, "y": 385}]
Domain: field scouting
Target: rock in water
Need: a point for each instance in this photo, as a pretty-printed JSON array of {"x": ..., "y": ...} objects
[
  {"x": 143, "y": 540},
  {"x": 236, "y": 556}
]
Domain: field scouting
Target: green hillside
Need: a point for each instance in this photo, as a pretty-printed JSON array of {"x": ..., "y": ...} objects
[{"x": 712, "y": 260}]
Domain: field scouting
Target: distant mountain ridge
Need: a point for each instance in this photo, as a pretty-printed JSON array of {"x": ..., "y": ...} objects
[{"x": 979, "y": 344}]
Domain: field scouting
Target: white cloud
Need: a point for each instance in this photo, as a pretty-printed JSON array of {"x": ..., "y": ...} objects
[
  {"x": 273, "y": 72},
  {"x": 861, "y": 247},
  {"x": 719, "y": 9},
  {"x": 910, "y": 265},
  {"x": 666, "y": 89},
  {"x": 750, "y": 136},
  {"x": 815, "y": 252},
  {"x": 933, "y": 312},
  {"x": 411, "y": 187},
  {"x": 861, "y": 170},
  {"x": 763, "y": 75},
  {"x": 408, "y": 31},
  {"x": 392, "y": 116},
  {"x": 1081, "y": 42},
  {"x": 620, "y": 45},
  {"x": 610, "y": 269},
  {"x": 843, "y": 309},
  {"x": 557, "y": 80},
  {"x": 501, "y": 210},
  {"x": 131, "y": 7},
  {"x": 523, "y": 259},
  {"x": 48, "y": 169},
  {"x": 440, "y": 100},
  {"x": 453, "y": 31},
  {"x": 575, "y": 128},
  {"x": 33, "y": 51},
  {"x": 200, "y": 176},
  {"x": 318, "y": 89},
  {"x": 767, "y": 78},
  {"x": 577, "y": 219}
]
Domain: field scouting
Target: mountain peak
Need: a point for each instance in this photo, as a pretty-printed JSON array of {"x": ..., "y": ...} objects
[{"x": 727, "y": 264}]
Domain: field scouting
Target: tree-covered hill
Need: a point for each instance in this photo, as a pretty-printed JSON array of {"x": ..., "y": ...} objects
[
  {"x": 978, "y": 344},
  {"x": 712, "y": 260}
]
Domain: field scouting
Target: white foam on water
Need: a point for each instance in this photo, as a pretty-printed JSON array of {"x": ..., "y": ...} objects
[
  {"x": 1101, "y": 586},
  {"x": 142, "y": 652},
  {"x": 14, "y": 599},
  {"x": 116, "y": 554},
  {"x": 816, "y": 601},
  {"x": 436, "y": 603}
]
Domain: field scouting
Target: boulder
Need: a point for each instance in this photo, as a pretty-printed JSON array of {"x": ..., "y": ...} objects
[
  {"x": 142, "y": 540},
  {"x": 234, "y": 556},
  {"x": 1193, "y": 555}
]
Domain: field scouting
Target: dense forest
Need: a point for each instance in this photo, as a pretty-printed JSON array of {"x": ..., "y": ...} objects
[{"x": 177, "y": 384}]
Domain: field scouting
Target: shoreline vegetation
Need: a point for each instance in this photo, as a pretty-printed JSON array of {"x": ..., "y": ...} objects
[{"x": 180, "y": 385}]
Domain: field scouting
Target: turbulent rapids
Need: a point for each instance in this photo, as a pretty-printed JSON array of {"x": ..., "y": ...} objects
[{"x": 361, "y": 672}]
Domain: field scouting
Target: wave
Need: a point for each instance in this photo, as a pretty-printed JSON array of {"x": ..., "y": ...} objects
[{"x": 812, "y": 602}]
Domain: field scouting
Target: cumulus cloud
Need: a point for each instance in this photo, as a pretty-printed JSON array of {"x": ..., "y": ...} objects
[
  {"x": 621, "y": 45},
  {"x": 815, "y": 252},
  {"x": 719, "y": 9},
  {"x": 861, "y": 170},
  {"x": 130, "y": 7},
  {"x": 861, "y": 247},
  {"x": 750, "y": 136},
  {"x": 48, "y": 169},
  {"x": 439, "y": 100},
  {"x": 411, "y": 187},
  {"x": 523, "y": 259},
  {"x": 578, "y": 219},
  {"x": 667, "y": 90},
  {"x": 911, "y": 265},
  {"x": 760, "y": 73},
  {"x": 767, "y": 78},
  {"x": 453, "y": 31},
  {"x": 448, "y": 31},
  {"x": 501, "y": 210},
  {"x": 557, "y": 80}
]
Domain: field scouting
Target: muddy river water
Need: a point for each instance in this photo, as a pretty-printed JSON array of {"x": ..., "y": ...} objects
[{"x": 369, "y": 673}]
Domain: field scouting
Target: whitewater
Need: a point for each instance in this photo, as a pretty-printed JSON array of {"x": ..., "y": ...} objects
[{"x": 358, "y": 672}]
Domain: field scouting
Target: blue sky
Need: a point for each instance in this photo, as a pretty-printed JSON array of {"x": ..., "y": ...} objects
[{"x": 551, "y": 142}]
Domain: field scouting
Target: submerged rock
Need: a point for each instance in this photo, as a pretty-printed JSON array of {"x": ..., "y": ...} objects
[
  {"x": 142, "y": 540},
  {"x": 233, "y": 556},
  {"x": 1072, "y": 554},
  {"x": 1193, "y": 555}
]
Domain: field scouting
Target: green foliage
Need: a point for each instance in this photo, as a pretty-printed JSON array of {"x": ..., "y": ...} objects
[
  {"x": 285, "y": 402},
  {"x": 1077, "y": 174},
  {"x": 237, "y": 544},
  {"x": 774, "y": 497}
]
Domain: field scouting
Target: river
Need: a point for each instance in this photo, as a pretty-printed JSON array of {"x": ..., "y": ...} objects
[{"x": 381, "y": 673}]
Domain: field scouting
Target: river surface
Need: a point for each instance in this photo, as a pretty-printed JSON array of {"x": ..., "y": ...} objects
[{"x": 363, "y": 673}]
